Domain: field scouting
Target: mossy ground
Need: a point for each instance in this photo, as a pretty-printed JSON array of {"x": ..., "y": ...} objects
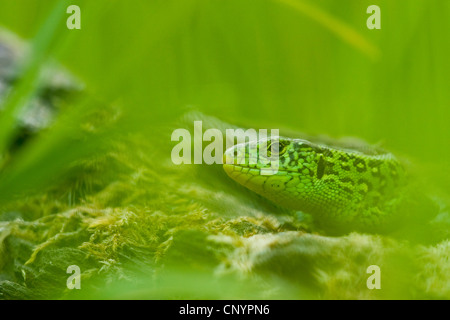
[{"x": 140, "y": 227}]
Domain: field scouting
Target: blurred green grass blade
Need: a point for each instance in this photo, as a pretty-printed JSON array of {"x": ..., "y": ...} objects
[
  {"x": 185, "y": 284},
  {"x": 136, "y": 50},
  {"x": 52, "y": 153},
  {"x": 336, "y": 26},
  {"x": 29, "y": 73}
]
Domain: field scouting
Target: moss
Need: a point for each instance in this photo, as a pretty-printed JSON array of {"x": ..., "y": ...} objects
[{"x": 148, "y": 229}]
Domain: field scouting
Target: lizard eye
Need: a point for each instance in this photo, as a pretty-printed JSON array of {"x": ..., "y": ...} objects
[{"x": 276, "y": 148}]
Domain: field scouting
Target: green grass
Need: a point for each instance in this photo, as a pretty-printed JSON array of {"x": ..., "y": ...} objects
[{"x": 310, "y": 66}]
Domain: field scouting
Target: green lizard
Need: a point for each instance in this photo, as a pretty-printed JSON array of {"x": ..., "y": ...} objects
[{"x": 344, "y": 189}]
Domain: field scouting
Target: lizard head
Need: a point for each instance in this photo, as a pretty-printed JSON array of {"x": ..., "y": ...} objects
[
  {"x": 281, "y": 169},
  {"x": 343, "y": 188}
]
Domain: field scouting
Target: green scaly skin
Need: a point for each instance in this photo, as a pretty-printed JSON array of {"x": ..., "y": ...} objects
[{"x": 344, "y": 189}]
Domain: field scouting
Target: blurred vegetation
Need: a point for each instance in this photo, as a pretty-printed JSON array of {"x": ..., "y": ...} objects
[{"x": 97, "y": 187}]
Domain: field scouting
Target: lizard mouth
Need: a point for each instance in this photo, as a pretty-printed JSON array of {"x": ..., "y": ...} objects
[
  {"x": 244, "y": 172},
  {"x": 241, "y": 174}
]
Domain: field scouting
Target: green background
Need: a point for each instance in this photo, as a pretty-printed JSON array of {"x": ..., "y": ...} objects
[
  {"x": 261, "y": 60},
  {"x": 311, "y": 66}
]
